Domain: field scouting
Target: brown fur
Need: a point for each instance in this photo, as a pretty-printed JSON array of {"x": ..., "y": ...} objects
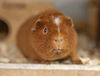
[{"x": 39, "y": 46}]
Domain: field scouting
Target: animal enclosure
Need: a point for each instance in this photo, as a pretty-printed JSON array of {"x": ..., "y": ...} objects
[{"x": 13, "y": 13}]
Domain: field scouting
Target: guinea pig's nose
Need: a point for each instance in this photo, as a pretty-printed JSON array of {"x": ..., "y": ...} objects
[{"x": 58, "y": 40}]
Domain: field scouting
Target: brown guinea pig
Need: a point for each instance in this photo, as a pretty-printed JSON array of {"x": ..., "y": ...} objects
[{"x": 48, "y": 36}]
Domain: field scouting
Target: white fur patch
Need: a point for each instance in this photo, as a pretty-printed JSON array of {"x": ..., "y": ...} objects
[{"x": 57, "y": 21}]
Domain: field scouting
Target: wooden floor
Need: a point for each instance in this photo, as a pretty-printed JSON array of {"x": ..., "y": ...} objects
[{"x": 48, "y": 70}]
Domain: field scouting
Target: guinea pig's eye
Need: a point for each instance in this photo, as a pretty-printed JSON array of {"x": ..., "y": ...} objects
[{"x": 45, "y": 30}]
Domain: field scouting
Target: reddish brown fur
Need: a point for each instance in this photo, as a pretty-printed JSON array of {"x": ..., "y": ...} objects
[{"x": 34, "y": 44}]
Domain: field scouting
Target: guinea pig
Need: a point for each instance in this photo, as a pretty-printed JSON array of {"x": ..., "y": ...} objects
[{"x": 48, "y": 36}]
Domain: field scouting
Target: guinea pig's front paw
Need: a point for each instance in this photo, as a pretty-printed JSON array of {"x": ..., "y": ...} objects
[
  {"x": 45, "y": 62},
  {"x": 77, "y": 62}
]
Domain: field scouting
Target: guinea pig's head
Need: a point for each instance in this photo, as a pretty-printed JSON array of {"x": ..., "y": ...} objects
[{"x": 49, "y": 35}]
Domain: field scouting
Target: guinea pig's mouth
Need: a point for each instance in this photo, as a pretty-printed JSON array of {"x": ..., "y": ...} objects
[{"x": 58, "y": 50}]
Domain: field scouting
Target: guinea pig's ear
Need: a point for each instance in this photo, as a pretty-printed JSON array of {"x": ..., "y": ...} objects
[
  {"x": 38, "y": 24},
  {"x": 69, "y": 21}
]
